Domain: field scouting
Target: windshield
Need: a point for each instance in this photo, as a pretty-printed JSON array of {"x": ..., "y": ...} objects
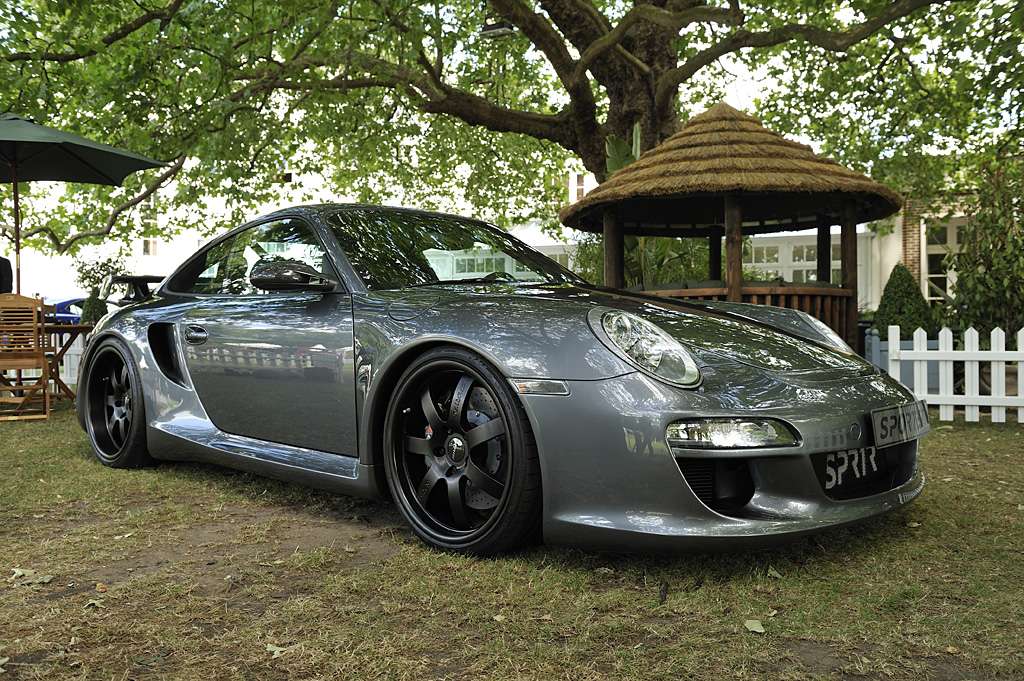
[{"x": 392, "y": 249}]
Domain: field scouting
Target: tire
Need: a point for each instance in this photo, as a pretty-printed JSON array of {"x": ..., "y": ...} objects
[
  {"x": 115, "y": 415},
  {"x": 460, "y": 457}
]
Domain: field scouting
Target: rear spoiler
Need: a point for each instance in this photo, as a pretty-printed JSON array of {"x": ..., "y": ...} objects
[{"x": 140, "y": 285}]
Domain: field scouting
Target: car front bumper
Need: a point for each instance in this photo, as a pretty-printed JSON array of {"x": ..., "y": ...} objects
[{"x": 613, "y": 482}]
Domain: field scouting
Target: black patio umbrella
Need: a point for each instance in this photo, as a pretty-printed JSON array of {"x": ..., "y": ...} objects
[{"x": 31, "y": 152}]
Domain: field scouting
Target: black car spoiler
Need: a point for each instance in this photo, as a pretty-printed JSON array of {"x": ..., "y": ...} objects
[{"x": 140, "y": 287}]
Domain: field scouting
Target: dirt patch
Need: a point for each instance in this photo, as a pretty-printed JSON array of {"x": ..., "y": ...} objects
[
  {"x": 220, "y": 553},
  {"x": 208, "y": 552},
  {"x": 858, "y": 662}
]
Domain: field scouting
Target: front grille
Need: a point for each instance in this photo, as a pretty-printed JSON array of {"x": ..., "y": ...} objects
[
  {"x": 883, "y": 469},
  {"x": 720, "y": 484}
]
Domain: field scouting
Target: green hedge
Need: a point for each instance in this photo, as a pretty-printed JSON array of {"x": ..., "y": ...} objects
[{"x": 903, "y": 305}]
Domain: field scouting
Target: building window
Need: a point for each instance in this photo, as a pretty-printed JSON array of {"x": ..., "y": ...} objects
[
  {"x": 579, "y": 186},
  {"x": 762, "y": 258},
  {"x": 149, "y": 246},
  {"x": 941, "y": 239},
  {"x": 793, "y": 261},
  {"x": 479, "y": 265}
]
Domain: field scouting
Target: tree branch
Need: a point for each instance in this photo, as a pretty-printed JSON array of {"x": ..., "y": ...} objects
[
  {"x": 542, "y": 34},
  {"x": 831, "y": 41},
  {"x": 162, "y": 15},
  {"x": 64, "y": 246},
  {"x": 656, "y": 15}
]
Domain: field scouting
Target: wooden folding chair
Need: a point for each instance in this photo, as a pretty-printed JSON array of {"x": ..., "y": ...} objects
[{"x": 24, "y": 369}]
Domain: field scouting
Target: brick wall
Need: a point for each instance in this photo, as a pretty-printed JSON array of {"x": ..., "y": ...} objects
[{"x": 913, "y": 209}]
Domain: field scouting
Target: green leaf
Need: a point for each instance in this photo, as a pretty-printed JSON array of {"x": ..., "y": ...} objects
[{"x": 620, "y": 154}]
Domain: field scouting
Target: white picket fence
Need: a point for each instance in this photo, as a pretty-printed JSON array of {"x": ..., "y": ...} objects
[{"x": 971, "y": 395}]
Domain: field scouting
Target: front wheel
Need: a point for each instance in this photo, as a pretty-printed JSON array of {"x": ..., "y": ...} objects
[
  {"x": 460, "y": 457},
  {"x": 113, "y": 407}
]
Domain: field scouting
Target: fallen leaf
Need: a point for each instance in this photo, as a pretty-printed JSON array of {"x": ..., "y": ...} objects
[
  {"x": 499, "y": 618},
  {"x": 952, "y": 650},
  {"x": 25, "y": 577},
  {"x": 278, "y": 651},
  {"x": 3, "y": 661},
  {"x": 102, "y": 588},
  {"x": 93, "y": 603},
  {"x": 605, "y": 570},
  {"x": 123, "y": 536},
  {"x": 754, "y": 626},
  {"x": 913, "y": 524},
  {"x": 773, "y": 613},
  {"x": 772, "y": 572}
]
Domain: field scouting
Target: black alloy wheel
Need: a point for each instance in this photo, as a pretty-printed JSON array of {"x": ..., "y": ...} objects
[
  {"x": 461, "y": 459},
  {"x": 114, "y": 408}
]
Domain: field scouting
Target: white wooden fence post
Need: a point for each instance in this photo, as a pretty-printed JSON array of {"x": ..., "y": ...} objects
[
  {"x": 894, "y": 352},
  {"x": 1020, "y": 374},
  {"x": 971, "y": 389},
  {"x": 920, "y": 365},
  {"x": 946, "y": 374},
  {"x": 998, "y": 375}
]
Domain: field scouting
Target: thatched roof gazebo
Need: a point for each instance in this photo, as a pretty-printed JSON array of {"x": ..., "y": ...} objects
[{"x": 725, "y": 174}]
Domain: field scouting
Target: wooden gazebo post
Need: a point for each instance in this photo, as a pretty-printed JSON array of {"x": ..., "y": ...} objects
[
  {"x": 733, "y": 248},
  {"x": 848, "y": 245},
  {"x": 614, "y": 265},
  {"x": 824, "y": 249}
]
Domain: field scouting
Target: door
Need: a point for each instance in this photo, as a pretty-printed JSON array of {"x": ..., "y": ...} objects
[{"x": 270, "y": 365}]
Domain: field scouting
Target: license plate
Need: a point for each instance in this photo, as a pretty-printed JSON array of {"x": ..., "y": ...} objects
[
  {"x": 894, "y": 425},
  {"x": 853, "y": 468}
]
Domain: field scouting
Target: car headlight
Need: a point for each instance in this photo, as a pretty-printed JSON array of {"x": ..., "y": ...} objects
[
  {"x": 729, "y": 434},
  {"x": 645, "y": 346}
]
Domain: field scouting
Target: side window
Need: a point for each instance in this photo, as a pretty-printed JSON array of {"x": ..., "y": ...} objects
[{"x": 224, "y": 269}]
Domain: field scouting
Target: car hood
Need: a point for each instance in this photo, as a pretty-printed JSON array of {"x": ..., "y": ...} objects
[{"x": 714, "y": 337}]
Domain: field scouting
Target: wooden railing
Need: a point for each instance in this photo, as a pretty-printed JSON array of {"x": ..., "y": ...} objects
[{"x": 827, "y": 304}]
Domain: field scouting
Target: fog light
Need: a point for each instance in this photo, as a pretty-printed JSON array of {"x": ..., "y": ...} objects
[{"x": 729, "y": 434}]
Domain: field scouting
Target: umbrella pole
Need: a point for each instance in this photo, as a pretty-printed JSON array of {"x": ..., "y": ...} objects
[{"x": 17, "y": 232}]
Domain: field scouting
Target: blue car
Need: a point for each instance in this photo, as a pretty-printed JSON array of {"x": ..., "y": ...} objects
[{"x": 66, "y": 311}]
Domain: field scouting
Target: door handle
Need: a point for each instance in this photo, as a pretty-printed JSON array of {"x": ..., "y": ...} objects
[{"x": 196, "y": 335}]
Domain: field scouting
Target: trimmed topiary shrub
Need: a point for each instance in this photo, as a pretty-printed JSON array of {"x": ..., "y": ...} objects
[
  {"x": 903, "y": 305},
  {"x": 93, "y": 308}
]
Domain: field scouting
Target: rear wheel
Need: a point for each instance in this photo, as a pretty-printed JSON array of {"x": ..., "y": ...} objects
[
  {"x": 114, "y": 410},
  {"x": 461, "y": 459}
]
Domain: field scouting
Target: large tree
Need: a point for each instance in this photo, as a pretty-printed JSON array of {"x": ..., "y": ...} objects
[{"x": 403, "y": 99}]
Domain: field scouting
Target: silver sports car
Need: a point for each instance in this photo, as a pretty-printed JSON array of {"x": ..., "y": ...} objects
[{"x": 492, "y": 394}]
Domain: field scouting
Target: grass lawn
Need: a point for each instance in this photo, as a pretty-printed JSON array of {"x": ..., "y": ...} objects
[{"x": 194, "y": 572}]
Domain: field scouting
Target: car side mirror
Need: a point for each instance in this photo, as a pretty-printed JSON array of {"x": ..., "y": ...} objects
[{"x": 289, "y": 275}]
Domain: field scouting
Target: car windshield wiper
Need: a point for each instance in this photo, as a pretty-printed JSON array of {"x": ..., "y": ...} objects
[{"x": 468, "y": 280}]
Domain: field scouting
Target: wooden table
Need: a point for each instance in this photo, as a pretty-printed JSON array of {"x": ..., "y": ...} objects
[{"x": 61, "y": 338}]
